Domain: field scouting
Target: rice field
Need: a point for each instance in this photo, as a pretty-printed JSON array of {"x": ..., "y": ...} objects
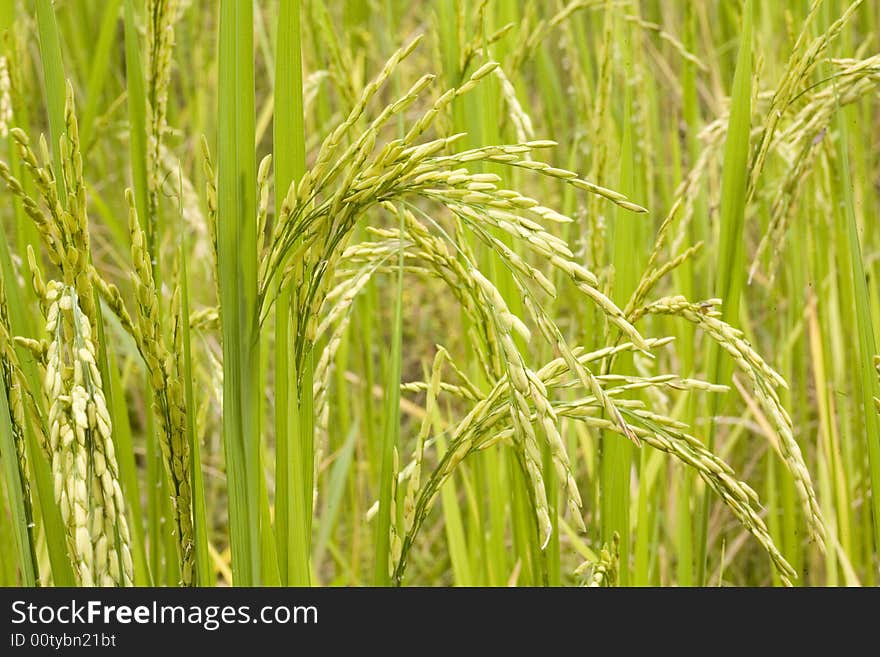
[{"x": 451, "y": 293}]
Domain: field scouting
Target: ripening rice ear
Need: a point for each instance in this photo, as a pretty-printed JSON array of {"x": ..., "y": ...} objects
[{"x": 227, "y": 368}]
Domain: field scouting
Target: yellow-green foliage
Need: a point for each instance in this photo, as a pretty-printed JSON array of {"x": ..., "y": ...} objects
[{"x": 457, "y": 292}]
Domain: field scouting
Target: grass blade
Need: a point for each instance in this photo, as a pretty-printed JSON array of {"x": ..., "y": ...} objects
[
  {"x": 53, "y": 77},
  {"x": 21, "y": 515},
  {"x": 237, "y": 255},
  {"x": 390, "y": 432},
  {"x": 867, "y": 346},
  {"x": 293, "y": 521},
  {"x": 731, "y": 249}
]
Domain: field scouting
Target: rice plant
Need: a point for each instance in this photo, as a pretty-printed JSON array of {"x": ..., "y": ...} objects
[{"x": 491, "y": 293}]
